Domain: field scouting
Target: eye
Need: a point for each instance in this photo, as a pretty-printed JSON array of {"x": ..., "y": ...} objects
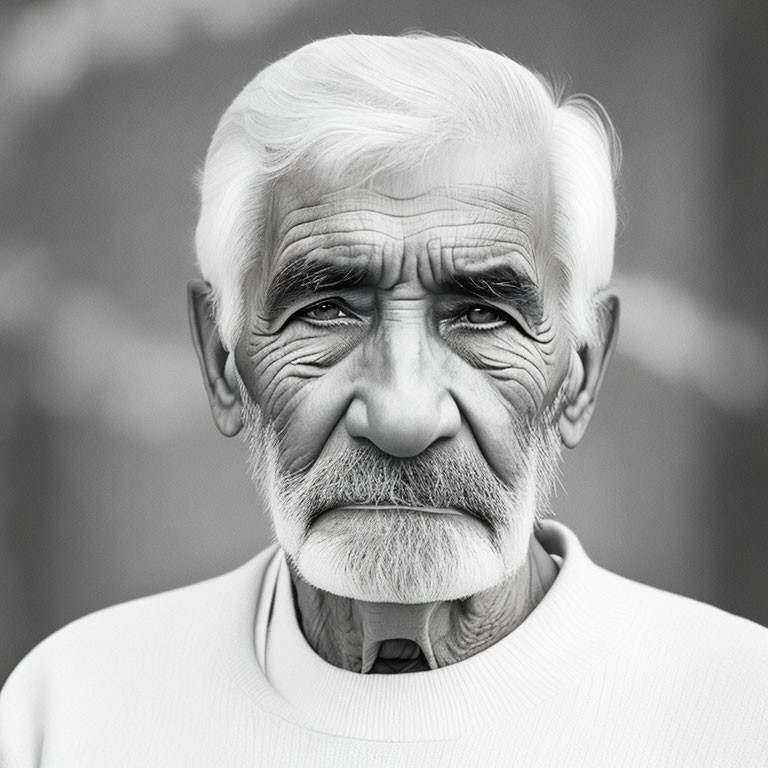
[
  {"x": 325, "y": 311},
  {"x": 483, "y": 315},
  {"x": 477, "y": 318}
]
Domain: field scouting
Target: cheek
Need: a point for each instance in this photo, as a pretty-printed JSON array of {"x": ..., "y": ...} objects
[
  {"x": 296, "y": 378},
  {"x": 517, "y": 369},
  {"x": 504, "y": 393}
]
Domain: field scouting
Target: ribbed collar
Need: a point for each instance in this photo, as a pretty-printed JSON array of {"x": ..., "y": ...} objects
[{"x": 578, "y": 622}]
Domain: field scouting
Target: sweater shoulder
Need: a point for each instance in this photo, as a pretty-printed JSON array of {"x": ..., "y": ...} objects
[
  {"x": 686, "y": 634},
  {"x": 652, "y": 617},
  {"x": 157, "y": 629},
  {"x": 165, "y": 613},
  {"x": 680, "y": 614}
]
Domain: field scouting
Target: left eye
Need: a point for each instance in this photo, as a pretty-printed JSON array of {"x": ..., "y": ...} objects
[
  {"x": 328, "y": 310},
  {"x": 481, "y": 315}
]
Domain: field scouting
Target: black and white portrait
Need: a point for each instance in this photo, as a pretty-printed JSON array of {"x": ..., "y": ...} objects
[{"x": 383, "y": 384}]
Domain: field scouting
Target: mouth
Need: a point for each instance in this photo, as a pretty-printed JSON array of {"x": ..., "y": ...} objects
[
  {"x": 395, "y": 508},
  {"x": 389, "y": 508}
]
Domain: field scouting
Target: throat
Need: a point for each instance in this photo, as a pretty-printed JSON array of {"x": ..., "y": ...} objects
[
  {"x": 398, "y": 638},
  {"x": 391, "y": 638},
  {"x": 369, "y": 637}
]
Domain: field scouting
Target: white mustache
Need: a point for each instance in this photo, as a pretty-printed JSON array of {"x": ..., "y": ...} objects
[{"x": 440, "y": 478}]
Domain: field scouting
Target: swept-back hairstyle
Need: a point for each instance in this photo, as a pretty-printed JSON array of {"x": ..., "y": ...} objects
[{"x": 363, "y": 105}]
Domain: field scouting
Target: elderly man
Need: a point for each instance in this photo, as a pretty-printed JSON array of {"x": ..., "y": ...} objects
[{"x": 407, "y": 244}]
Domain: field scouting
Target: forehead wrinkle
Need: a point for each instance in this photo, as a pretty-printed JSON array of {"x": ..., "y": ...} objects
[
  {"x": 304, "y": 210},
  {"x": 460, "y": 238},
  {"x": 463, "y": 235},
  {"x": 352, "y": 220},
  {"x": 314, "y": 219},
  {"x": 314, "y": 246},
  {"x": 503, "y": 199},
  {"x": 351, "y": 227},
  {"x": 479, "y": 256},
  {"x": 365, "y": 200},
  {"x": 459, "y": 247},
  {"x": 357, "y": 202}
]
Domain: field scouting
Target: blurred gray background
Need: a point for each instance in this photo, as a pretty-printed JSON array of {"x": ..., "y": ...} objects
[{"x": 113, "y": 481}]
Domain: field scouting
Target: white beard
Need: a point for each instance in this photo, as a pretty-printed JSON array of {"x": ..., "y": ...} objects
[{"x": 401, "y": 556}]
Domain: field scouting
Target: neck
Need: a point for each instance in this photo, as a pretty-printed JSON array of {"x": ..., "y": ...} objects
[{"x": 386, "y": 637}]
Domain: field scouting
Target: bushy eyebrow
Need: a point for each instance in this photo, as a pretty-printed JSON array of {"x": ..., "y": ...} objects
[
  {"x": 303, "y": 277},
  {"x": 501, "y": 283}
]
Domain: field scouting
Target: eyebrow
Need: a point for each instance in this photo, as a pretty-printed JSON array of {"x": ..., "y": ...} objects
[
  {"x": 501, "y": 283},
  {"x": 301, "y": 278}
]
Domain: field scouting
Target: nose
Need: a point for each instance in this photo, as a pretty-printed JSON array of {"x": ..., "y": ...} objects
[{"x": 402, "y": 402}]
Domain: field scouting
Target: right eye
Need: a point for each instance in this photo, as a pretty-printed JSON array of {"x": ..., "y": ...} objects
[{"x": 326, "y": 311}]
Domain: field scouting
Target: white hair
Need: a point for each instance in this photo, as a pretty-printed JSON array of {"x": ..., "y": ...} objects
[{"x": 366, "y": 105}]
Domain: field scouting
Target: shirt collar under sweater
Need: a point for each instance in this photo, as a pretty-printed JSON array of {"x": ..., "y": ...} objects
[{"x": 574, "y": 627}]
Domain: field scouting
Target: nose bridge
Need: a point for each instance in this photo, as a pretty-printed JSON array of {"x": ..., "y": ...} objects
[
  {"x": 403, "y": 402},
  {"x": 407, "y": 359}
]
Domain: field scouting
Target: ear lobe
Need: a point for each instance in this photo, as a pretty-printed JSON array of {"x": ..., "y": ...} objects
[
  {"x": 216, "y": 364},
  {"x": 586, "y": 375}
]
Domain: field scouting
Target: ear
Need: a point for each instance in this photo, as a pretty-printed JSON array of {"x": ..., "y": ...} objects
[
  {"x": 586, "y": 375},
  {"x": 216, "y": 364}
]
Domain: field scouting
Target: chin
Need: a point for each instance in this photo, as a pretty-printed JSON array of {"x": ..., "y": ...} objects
[{"x": 408, "y": 557}]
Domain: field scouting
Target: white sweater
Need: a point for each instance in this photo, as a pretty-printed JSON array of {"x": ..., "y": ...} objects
[{"x": 604, "y": 672}]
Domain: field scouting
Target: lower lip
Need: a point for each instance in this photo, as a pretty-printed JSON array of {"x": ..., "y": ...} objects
[{"x": 398, "y": 508}]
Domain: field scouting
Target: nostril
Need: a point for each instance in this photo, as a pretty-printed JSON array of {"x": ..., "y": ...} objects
[{"x": 356, "y": 419}]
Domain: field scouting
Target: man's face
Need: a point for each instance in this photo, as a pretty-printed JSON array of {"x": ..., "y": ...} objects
[{"x": 404, "y": 345}]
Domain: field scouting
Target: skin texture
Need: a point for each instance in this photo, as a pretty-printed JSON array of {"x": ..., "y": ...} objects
[{"x": 412, "y": 313}]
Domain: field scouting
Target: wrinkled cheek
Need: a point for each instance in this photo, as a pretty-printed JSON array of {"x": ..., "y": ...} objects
[
  {"x": 522, "y": 390},
  {"x": 275, "y": 369},
  {"x": 299, "y": 389},
  {"x": 529, "y": 381},
  {"x": 505, "y": 415},
  {"x": 516, "y": 371}
]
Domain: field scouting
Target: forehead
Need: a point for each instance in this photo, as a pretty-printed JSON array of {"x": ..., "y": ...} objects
[{"x": 474, "y": 208}]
